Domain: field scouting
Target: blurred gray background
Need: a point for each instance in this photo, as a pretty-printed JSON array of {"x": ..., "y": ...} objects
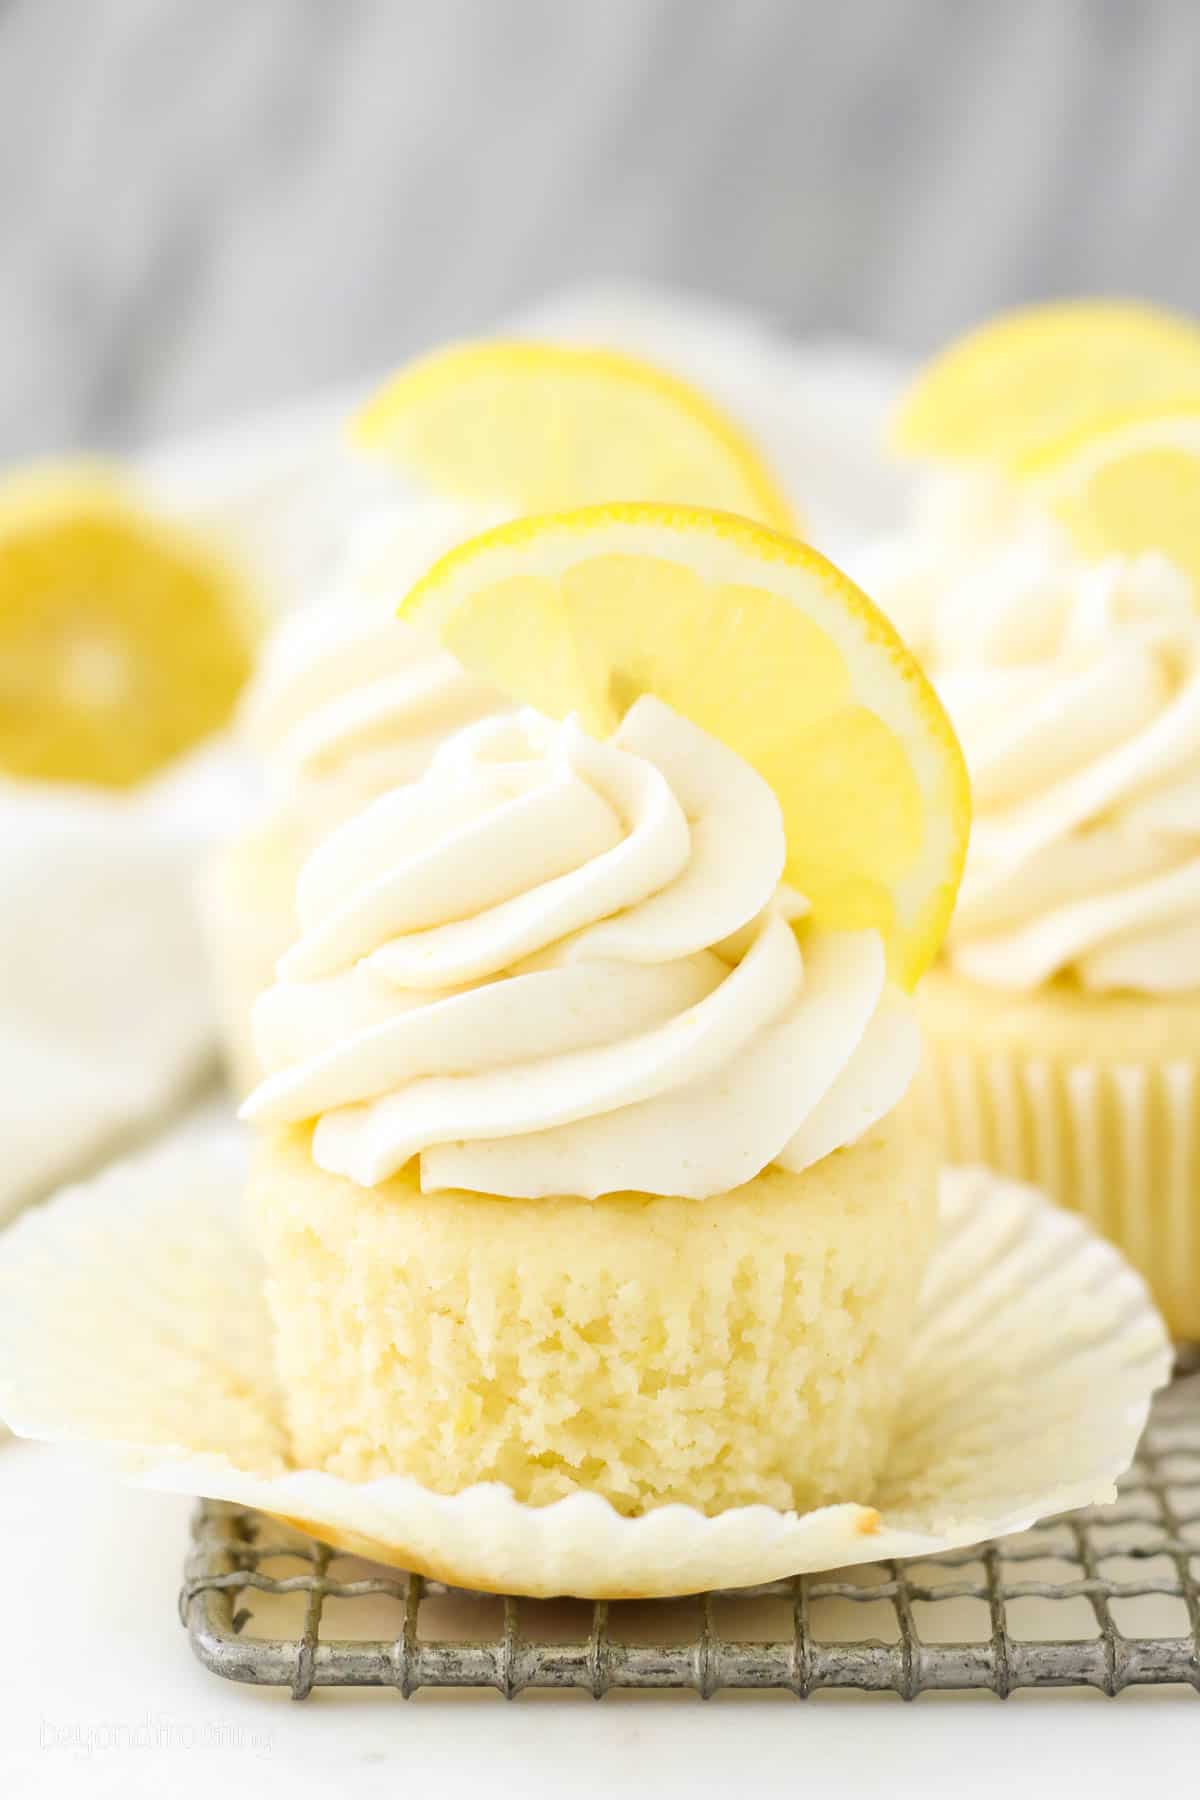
[{"x": 208, "y": 206}]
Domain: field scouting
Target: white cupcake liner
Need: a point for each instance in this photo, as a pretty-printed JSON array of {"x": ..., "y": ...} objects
[
  {"x": 132, "y": 1326},
  {"x": 1119, "y": 1142}
]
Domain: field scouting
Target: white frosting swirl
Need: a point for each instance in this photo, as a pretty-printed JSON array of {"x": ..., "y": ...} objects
[
  {"x": 555, "y": 965},
  {"x": 347, "y": 701},
  {"x": 1075, "y": 689}
]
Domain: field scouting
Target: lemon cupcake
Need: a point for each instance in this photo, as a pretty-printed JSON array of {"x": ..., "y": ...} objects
[
  {"x": 1063, "y": 1024},
  {"x": 582, "y": 1163}
]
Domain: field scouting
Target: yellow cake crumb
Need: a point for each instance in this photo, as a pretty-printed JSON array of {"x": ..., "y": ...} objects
[{"x": 719, "y": 1353}]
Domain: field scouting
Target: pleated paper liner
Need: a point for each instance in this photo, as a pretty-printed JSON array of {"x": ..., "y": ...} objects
[
  {"x": 1117, "y": 1142},
  {"x": 132, "y": 1327}
]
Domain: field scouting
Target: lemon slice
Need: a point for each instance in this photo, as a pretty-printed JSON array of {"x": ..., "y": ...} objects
[
  {"x": 1127, "y": 486},
  {"x": 544, "y": 426},
  {"x": 1032, "y": 377},
  {"x": 758, "y": 640},
  {"x": 122, "y": 640}
]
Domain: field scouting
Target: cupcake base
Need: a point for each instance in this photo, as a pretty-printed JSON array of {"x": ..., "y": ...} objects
[
  {"x": 1094, "y": 1097},
  {"x": 746, "y": 1349}
]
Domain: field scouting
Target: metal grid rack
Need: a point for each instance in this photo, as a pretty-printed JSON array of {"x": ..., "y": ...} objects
[{"x": 1107, "y": 1598}]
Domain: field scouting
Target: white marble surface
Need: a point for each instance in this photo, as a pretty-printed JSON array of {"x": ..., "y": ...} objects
[{"x": 209, "y": 205}]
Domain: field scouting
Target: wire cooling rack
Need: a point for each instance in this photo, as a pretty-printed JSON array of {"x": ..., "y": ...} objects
[{"x": 1107, "y": 1598}]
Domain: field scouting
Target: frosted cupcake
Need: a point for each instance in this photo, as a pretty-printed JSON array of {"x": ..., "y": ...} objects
[
  {"x": 1063, "y": 1025},
  {"x": 582, "y": 1157},
  {"x": 345, "y": 703},
  {"x": 536, "y": 1029},
  {"x": 1048, "y": 578}
]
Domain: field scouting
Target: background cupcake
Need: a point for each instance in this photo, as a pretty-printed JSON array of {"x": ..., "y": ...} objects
[
  {"x": 344, "y": 703},
  {"x": 347, "y": 702},
  {"x": 1063, "y": 1023}
]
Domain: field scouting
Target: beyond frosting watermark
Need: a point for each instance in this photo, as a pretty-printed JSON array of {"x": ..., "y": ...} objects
[{"x": 157, "y": 1733}]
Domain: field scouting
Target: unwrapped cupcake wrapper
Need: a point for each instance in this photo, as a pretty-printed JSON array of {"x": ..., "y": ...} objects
[
  {"x": 1118, "y": 1142},
  {"x": 133, "y": 1325}
]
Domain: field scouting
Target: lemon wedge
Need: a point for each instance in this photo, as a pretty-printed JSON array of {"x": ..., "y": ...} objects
[
  {"x": 544, "y": 426},
  {"x": 761, "y": 642},
  {"x": 1130, "y": 485},
  {"x": 122, "y": 640},
  {"x": 1032, "y": 377}
]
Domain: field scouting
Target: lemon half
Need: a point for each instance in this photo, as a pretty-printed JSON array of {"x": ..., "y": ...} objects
[
  {"x": 761, "y": 642},
  {"x": 123, "y": 641},
  {"x": 1032, "y": 377},
  {"x": 545, "y": 426}
]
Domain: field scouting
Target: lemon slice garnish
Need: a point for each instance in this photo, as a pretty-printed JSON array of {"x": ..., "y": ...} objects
[
  {"x": 1032, "y": 377},
  {"x": 123, "y": 641},
  {"x": 545, "y": 426},
  {"x": 1128, "y": 486},
  {"x": 761, "y": 642}
]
